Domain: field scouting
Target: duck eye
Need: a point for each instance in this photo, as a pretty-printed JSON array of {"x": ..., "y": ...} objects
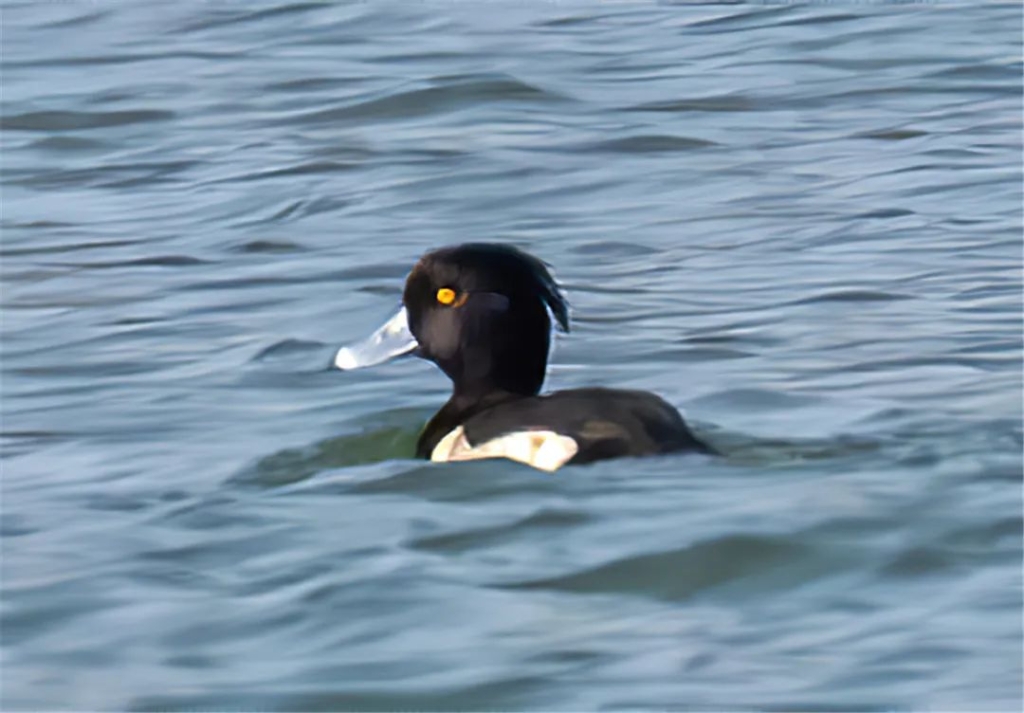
[{"x": 446, "y": 295}]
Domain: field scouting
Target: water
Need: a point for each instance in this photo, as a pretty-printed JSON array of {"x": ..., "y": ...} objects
[{"x": 800, "y": 224}]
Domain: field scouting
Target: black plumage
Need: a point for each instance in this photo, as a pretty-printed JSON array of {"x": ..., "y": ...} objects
[{"x": 480, "y": 312}]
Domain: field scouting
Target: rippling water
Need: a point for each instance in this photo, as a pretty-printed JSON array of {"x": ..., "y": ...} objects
[{"x": 801, "y": 224}]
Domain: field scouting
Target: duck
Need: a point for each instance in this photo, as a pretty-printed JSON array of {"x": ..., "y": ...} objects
[{"x": 482, "y": 312}]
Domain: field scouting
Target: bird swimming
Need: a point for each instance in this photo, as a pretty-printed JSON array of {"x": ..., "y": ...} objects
[{"x": 480, "y": 312}]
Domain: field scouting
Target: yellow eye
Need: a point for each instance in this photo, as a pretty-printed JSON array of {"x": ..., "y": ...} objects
[{"x": 446, "y": 295}]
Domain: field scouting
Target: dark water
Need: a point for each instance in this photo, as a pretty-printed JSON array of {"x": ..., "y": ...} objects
[{"x": 800, "y": 224}]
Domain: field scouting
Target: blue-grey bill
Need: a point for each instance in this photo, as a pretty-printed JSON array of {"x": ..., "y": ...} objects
[{"x": 388, "y": 342}]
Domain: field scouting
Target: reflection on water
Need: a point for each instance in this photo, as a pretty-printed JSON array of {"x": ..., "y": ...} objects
[{"x": 799, "y": 224}]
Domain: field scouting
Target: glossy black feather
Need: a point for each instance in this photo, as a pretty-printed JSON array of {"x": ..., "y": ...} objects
[
  {"x": 605, "y": 423},
  {"x": 494, "y": 344}
]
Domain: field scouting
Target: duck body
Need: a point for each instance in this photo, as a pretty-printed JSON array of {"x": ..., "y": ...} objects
[
  {"x": 480, "y": 312},
  {"x": 599, "y": 424}
]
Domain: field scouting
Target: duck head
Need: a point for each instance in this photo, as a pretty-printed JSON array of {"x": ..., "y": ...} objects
[{"x": 480, "y": 312}]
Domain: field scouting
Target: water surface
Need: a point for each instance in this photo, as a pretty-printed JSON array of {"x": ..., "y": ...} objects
[{"x": 800, "y": 224}]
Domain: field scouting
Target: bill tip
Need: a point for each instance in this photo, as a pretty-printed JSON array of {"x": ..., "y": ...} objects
[{"x": 345, "y": 359}]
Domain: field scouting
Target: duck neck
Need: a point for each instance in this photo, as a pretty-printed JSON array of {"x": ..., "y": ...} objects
[{"x": 500, "y": 366}]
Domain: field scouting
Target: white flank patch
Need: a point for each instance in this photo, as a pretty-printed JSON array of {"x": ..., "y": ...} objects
[{"x": 545, "y": 450}]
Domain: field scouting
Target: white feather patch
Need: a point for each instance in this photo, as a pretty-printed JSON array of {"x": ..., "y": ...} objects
[{"x": 545, "y": 450}]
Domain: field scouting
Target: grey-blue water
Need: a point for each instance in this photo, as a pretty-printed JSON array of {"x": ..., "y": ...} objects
[{"x": 800, "y": 224}]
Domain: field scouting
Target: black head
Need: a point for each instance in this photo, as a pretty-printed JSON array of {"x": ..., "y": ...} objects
[{"x": 480, "y": 312}]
